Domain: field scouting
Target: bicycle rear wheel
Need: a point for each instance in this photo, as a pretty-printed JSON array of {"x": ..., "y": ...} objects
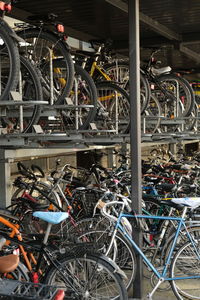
[
  {"x": 87, "y": 277},
  {"x": 186, "y": 262}
]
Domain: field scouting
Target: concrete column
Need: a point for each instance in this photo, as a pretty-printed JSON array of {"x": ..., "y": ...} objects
[{"x": 5, "y": 182}]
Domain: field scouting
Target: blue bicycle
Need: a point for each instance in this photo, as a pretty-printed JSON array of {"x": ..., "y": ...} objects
[{"x": 182, "y": 265}]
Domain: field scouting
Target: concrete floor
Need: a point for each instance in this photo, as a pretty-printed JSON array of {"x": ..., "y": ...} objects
[{"x": 159, "y": 295}]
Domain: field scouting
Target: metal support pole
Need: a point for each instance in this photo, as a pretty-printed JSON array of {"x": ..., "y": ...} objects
[
  {"x": 110, "y": 161},
  {"x": 135, "y": 132},
  {"x": 5, "y": 182},
  {"x": 172, "y": 149}
]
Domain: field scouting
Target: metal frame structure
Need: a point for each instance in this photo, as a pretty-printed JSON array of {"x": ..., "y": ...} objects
[{"x": 82, "y": 139}]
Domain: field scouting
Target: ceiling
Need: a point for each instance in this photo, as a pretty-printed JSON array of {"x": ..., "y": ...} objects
[{"x": 172, "y": 23}]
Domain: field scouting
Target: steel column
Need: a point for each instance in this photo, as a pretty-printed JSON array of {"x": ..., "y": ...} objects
[{"x": 135, "y": 132}]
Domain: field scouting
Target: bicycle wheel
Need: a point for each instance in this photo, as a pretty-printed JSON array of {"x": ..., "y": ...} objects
[
  {"x": 99, "y": 230},
  {"x": 109, "y": 116},
  {"x": 87, "y": 277},
  {"x": 10, "y": 64},
  {"x": 176, "y": 97},
  {"x": 192, "y": 229},
  {"x": 186, "y": 262},
  {"x": 119, "y": 73},
  {"x": 42, "y": 47},
  {"x": 31, "y": 90},
  {"x": 151, "y": 116},
  {"x": 84, "y": 92},
  {"x": 44, "y": 187}
]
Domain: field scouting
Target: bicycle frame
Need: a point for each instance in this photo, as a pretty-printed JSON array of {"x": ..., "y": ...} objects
[
  {"x": 16, "y": 238},
  {"x": 100, "y": 70},
  {"x": 162, "y": 276}
]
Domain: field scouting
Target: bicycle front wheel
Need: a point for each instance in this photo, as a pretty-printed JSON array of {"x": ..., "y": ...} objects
[
  {"x": 87, "y": 277},
  {"x": 178, "y": 98},
  {"x": 31, "y": 89},
  {"x": 43, "y": 48},
  {"x": 9, "y": 64},
  {"x": 186, "y": 263}
]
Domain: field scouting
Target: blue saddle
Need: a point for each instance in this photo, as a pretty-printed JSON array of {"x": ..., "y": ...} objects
[{"x": 51, "y": 217}]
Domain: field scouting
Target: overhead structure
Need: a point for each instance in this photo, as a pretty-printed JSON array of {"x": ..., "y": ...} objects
[{"x": 170, "y": 23}]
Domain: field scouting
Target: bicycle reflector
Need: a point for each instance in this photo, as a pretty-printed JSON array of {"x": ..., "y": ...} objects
[
  {"x": 60, "y": 28},
  {"x": 60, "y": 295},
  {"x": 5, "y": 7}
]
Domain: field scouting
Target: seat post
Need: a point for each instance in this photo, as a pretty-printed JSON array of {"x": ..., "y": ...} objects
[{"x": 47, "y": 233}]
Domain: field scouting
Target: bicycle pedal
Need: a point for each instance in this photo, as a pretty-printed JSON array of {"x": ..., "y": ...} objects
[{"x": 148, "y": 297}]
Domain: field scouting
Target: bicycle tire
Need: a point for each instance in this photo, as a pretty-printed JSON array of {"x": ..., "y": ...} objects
[
  {"x": 31, "y": 90},
  {"x": 11, "y": 77},
  {"x": 53, "y": 194},
  {"x": 119, "y": 73},
  {"x": 96, "y": 230},
  {"x": 185, "y": 264},
  {"x": 186, "y": 96},
  {"x": 91, "y": 268},
  {"x": 86, "y": 95},
  {"x": 193, "y": 230},
  {"x": 108, "y": 94},
  {"x": 50, "y": 40}
]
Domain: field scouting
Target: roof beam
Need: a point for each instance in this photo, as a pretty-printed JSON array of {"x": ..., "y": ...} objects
[
  {"x": 159, "y": 28},
  {"x": 156, "y": 26},
  {"x": 190, "y": 53}
]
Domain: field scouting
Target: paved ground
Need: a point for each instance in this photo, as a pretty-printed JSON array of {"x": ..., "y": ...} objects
[{"x": 159, "y": 295}]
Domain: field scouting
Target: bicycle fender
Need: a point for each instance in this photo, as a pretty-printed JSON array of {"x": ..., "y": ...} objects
[
  {"x": 10, "y": 31},
  {"x": 111, "y": 262}
]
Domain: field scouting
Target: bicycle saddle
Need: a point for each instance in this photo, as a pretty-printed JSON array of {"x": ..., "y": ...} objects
[
  {"x": 8, "y": 263},
  {"x": 192, "y": 202},
  {"x": 51, "y": 217},
  {"x": 159, "y": 71}
]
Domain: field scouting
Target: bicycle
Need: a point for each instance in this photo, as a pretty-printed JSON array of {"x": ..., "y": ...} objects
[
  {"x": 10, "y": 62},
  {"x": 15, "y": 289},
  {"x": 180, "y": 267},
  {"x": 76, "y": 268},
  {"x": 116, "y": 72}
]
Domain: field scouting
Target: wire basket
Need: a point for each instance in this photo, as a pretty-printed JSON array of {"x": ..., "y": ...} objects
[{"x": 12, "y": 289}]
